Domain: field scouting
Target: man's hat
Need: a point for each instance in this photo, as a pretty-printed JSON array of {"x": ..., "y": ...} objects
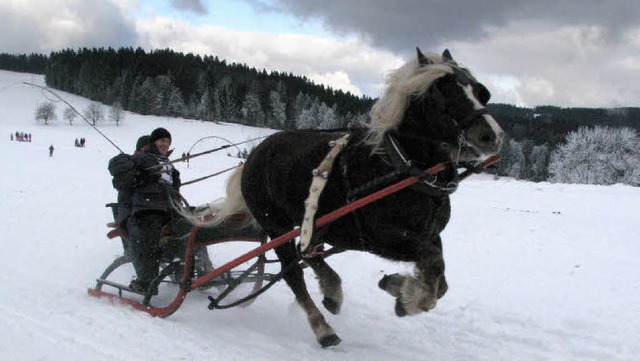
[
  {"x": 159, "y": 133},
  {"x": 142, "y": 141}
]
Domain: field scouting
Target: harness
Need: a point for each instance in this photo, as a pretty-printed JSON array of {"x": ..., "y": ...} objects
[{"x": 435, "y": 186}]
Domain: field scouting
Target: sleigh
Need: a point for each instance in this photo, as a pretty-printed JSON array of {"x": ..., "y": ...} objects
[{"x": 239, "y": 282}]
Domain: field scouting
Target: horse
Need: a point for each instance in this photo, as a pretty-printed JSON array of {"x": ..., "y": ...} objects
[{"x": 432, "y": 111}]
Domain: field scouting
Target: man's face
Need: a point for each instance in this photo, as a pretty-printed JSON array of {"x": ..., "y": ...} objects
[{"x": 163, "y": 145}]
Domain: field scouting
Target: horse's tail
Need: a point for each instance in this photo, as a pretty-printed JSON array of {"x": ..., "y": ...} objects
[{"x": 215, "y": 213}]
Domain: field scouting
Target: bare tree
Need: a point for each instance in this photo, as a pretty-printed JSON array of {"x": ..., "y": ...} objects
[
  {"x": 116, "y": 113},
  {"x": 70, "y": 115},
  {"x": 94, "y": 112},
  {"x": 46, "y": 112}
]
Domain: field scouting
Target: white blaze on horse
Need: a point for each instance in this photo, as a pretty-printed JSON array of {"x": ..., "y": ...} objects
[{"x": 432, "y": 112}]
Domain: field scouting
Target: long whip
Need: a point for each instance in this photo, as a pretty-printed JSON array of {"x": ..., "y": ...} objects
[
  {"x": 74, "y": 109},
  {"x": 191, "y": 156}
]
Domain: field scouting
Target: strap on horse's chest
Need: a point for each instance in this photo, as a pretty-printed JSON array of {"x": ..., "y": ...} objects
[{"x": 319, "y": 181}]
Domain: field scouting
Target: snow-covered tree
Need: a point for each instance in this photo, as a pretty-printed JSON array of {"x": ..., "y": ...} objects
[
  {"x": 163, "y": 90},
  {"x": 225, "y": 94},
  {"x": 599, "y": 155},
  {"x": 116, "y": 113},
  {"x": 46, "y": 112},
  {"x": 94, "y": 113},
  {"x": 278, "y": 116},
  {"x": 69, "y": 115},
  {"x": 328, "y": 117},
  {"x": 145, "y": 97},
  {"x": 251, "y": 111},
  {"x": 518, "y": 164},
  {"x": 539, "y": 163},
  {"x": 206, "y": 106},
  {"x": 175, "y": 104}
]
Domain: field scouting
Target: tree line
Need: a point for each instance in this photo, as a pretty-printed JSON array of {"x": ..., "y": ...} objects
[
  {"x": 538, "y": 140},
  {"x": 168, "y": 83}
]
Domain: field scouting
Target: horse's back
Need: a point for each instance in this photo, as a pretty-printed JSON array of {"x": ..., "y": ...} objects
[{"x": 277, "y": 173}]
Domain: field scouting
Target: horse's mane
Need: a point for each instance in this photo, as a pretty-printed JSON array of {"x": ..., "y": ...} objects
[{"x": 409, "y": 80}]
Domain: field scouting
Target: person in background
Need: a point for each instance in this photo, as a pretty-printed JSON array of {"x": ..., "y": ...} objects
[{"x": 51, "y": 150}]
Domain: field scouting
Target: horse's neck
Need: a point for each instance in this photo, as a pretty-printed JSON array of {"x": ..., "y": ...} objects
[{"x": 420, "y": 149}]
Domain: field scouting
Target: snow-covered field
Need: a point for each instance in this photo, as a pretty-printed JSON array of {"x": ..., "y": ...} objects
[{"x": 536, "y": 271}]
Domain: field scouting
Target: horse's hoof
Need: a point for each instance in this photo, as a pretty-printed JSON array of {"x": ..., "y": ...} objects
[
  {"x": 400, "y": 310},
  {"x": 330, "y": 340},
  {"x": 384, "y": 282},
  {"x": 331, "y": 305},
  {"x": 392, "y": 284}
]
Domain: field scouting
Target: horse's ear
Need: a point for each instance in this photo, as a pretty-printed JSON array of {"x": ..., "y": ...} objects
[
  {"x": 422, "y": 60},
  {"x": 446, "y": 55}
]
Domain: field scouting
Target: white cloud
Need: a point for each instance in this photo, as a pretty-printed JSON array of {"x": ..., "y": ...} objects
[
  {"x": 337, "y": 80},
  {"x": 361, "y": 67},
  {"x": 45, "y": 25},
  {"x": 573, "y": 66}
]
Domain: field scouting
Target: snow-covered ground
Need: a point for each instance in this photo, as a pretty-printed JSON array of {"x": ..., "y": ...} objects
[{"x": 536, "y": 271}]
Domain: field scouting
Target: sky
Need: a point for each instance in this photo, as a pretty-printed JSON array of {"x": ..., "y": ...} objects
[
  {"x": 536, "y": 271},
  {"x": 573, "y": 53}
]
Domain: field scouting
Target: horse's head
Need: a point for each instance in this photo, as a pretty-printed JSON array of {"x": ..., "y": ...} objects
[{"x": 435, "y": 99}]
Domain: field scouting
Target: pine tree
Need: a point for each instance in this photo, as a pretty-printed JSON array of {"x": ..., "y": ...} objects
[
  {"x": 175, "y": 104},
  {"x": 251, "y": 111},
  {"x": 539, "y": 163},
  {"x": 518, "y": 164},
  {"x": 278, "y": 114}
]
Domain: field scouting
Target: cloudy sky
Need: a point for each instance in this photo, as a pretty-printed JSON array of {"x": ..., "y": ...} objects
[{"x": 572, "y": 53}]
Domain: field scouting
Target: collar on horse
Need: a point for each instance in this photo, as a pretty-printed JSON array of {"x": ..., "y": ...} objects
[{"x": 436, "y": 185}]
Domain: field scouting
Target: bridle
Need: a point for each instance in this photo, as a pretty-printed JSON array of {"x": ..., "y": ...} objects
[{"x": 404, "y": 165}]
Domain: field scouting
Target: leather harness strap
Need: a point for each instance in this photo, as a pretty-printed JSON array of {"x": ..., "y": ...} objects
[{"x": 319, "y": 181}]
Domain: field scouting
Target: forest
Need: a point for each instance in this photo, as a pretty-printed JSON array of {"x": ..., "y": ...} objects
[{"x": 168, "y": 83}]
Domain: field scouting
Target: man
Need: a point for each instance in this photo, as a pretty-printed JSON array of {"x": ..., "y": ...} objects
[
  {"x": 157, "y": 186},
  {"x": 147, "y": 186}
]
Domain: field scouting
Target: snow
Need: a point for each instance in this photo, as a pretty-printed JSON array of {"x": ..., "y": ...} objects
[{"x": 537, "y": 271}]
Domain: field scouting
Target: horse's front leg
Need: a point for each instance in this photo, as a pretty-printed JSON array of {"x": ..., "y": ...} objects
[
  {"x": 295, "y": 279},
  {"x": 419, "y": 292},
  {"x": 330, "y": 284}
]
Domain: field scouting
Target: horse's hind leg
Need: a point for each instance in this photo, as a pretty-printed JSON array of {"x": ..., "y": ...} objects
[
  {"x": 295, "y": 279},
  {"x": 330, "y": 284}
]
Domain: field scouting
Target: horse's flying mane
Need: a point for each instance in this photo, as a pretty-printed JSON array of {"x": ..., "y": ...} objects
[{"x": 409, "y": 80}]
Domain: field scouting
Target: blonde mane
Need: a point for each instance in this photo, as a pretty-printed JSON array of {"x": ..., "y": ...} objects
[{"x": 409, "y": 80}]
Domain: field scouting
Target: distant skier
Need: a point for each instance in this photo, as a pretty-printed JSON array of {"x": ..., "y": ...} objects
[{"x": 51, "y": 150}]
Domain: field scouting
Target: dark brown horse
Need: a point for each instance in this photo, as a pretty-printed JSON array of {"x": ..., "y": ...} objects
[{"x": 433, "y": 111}]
